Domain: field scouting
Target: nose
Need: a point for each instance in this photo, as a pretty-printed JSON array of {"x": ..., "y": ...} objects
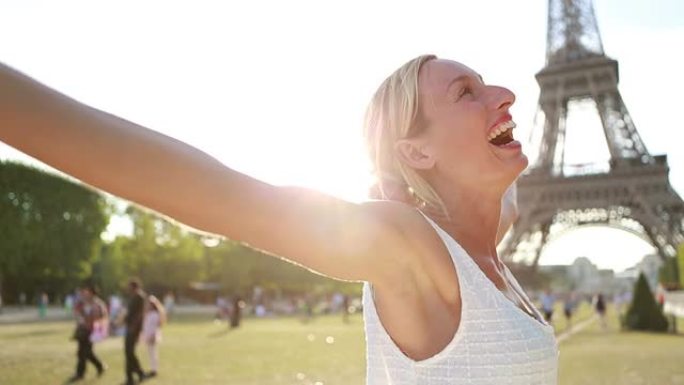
[{"x": 502, "y": 98}]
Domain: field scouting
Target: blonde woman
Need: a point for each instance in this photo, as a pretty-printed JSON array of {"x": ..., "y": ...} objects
[{"x": 445, "y": 158}]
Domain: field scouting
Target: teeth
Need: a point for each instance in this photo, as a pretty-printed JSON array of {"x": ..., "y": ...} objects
[{"x": 500, "y": 129}]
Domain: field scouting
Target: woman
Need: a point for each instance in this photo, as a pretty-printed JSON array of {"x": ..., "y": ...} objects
[
  {"x": 442, "y": 145},
  {"x": 155, "y": 317},
  {"x": 91, "y": 326}
]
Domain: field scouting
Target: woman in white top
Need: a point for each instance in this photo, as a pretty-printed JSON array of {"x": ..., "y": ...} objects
[
  {"x": 155, "y": 317},
  {"x": 441, "y": 142}
]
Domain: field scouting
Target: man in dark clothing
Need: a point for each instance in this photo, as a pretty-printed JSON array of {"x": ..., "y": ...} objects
[
  {"x": 236, "y": 312},
  {"x": 134, "y": 322},
  {"x": 88, "y": 311}
]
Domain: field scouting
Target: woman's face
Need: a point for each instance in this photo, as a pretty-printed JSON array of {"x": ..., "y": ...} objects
[
  {"x": 461, "y": 117},
  {"x": 86, "y": 294}
]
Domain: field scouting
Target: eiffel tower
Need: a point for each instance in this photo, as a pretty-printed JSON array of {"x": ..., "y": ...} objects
[{"x": 632, "y": 193}]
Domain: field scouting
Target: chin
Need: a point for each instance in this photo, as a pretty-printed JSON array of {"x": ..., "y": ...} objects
[
  {"x": 515, "y": 168},
  {"x": 523, "y": 162}
]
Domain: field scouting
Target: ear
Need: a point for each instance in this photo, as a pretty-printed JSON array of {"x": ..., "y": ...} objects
[{"x": 415, "y": 153}]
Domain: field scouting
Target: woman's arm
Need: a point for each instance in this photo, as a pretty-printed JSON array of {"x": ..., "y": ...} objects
[
  {"x": 509, "y": 212},
  {"x": 334, "y": 237}
]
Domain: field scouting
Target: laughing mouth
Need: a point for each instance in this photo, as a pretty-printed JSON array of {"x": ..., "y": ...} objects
[{"x": 502, "y": 134}]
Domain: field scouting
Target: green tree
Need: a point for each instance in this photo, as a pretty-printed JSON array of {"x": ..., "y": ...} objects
[
  {"x": 163, "y": 254},
  {"x": 644, "y": 313},
  {"x": 668, "y": 272},
  {"x": 680, "y": 265},
  {"x": 239, "y": 268},
  {"x": 672, "y": 273},
  {"x": 109, "y": 271},
  {"x": 50, "y": 230},
  {"x": 167, "y": 256}
]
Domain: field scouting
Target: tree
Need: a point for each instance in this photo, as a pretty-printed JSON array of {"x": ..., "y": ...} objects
[
  {"x": 644, "y": 313},
  {"x": 680, "y": 264},
  {"x": 163, "y": 254},
  {"x": 667, "y": 275},
  {"x": 168, "y": 256},
  {"x": 239, "y": 268},
  {"x": 50, "y": 230},
  {"x": 109, "y": 271}
]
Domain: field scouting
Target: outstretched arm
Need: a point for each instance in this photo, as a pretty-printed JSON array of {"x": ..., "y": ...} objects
[
  {"x": 509, "y": 212},
  {"x": 331, "y": 236}
]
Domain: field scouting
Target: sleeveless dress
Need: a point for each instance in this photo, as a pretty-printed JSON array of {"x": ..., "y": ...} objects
[{"x": 497, "y": 343}]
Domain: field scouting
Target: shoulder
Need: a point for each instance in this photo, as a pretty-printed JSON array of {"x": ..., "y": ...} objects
[
  {"x": 405, "y": 224},
  {"x": 138, "y": 299},
  {"x": 415, "y": 243},
  {"x": 398, "y": 215},
  {"x": 390, "y": 239},
  {"x": 408, "y": 222},
  {"x": 102, "y": 307}
]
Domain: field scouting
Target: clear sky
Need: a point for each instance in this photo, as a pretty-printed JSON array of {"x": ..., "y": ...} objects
[{"x": 277, "y": 89}]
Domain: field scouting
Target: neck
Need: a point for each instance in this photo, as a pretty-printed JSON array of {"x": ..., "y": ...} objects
[{"x": 473, "y": 217}]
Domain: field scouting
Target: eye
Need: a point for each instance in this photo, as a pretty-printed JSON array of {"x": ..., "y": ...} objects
[{"x": 465, "y": 91}]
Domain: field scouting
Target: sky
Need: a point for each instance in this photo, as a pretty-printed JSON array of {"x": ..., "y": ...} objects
[{"x": 277, "y": 89}]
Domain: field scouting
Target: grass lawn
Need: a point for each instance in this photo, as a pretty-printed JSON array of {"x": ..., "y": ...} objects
[
  {"x": 269, "y": 352},
  {"x": 560, "y": 323},
  {"x": 607, "y": 357},
  {"x": 325, "y": 351}
]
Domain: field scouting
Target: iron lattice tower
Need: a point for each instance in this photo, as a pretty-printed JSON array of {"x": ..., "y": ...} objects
[{"x": 634, "y": 194}]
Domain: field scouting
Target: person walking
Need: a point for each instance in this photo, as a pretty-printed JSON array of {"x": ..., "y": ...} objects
[
  {"x": 569, "y": 308},
  {"x": 548, "y": 300},
  {"x": 600, "y": 307},
  {"x": 155, "y": 318},
  {"x": 235, "y": 313},
  {"x": 90, "y": 313},
  {"x": 134, "y": 323},
  {"x": 43, "y": 302},
  {"x": 169, "y": 304}
]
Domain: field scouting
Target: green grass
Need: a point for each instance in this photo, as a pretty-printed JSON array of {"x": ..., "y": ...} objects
[
  {"x": 611, "y": 356},
  {"x": 286, "y": 351},
  {"x": 560, "y": 323},
  {"x": 282, "y": 351}
]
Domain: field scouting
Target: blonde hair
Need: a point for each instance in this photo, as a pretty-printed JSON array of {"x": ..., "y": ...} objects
[
  {"x": 394, "y": 114},
  {"x": 155, "y": 304}
]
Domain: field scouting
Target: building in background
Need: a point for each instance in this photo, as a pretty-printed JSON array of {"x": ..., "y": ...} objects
[{"x": 584, "y": 277}]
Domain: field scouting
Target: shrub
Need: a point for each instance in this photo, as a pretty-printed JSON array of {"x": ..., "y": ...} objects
[{"x": 644, "y": 313}]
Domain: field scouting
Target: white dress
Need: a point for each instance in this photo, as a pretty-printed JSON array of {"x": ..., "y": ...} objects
[
  {"x": 151, "y": 330},
  {"x": 496, "y": 343}
]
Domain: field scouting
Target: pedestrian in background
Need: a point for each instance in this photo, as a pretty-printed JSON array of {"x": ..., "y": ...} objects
[
  {"x": 155, "y": 318},
  {"x": 91, "y": 314}
]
